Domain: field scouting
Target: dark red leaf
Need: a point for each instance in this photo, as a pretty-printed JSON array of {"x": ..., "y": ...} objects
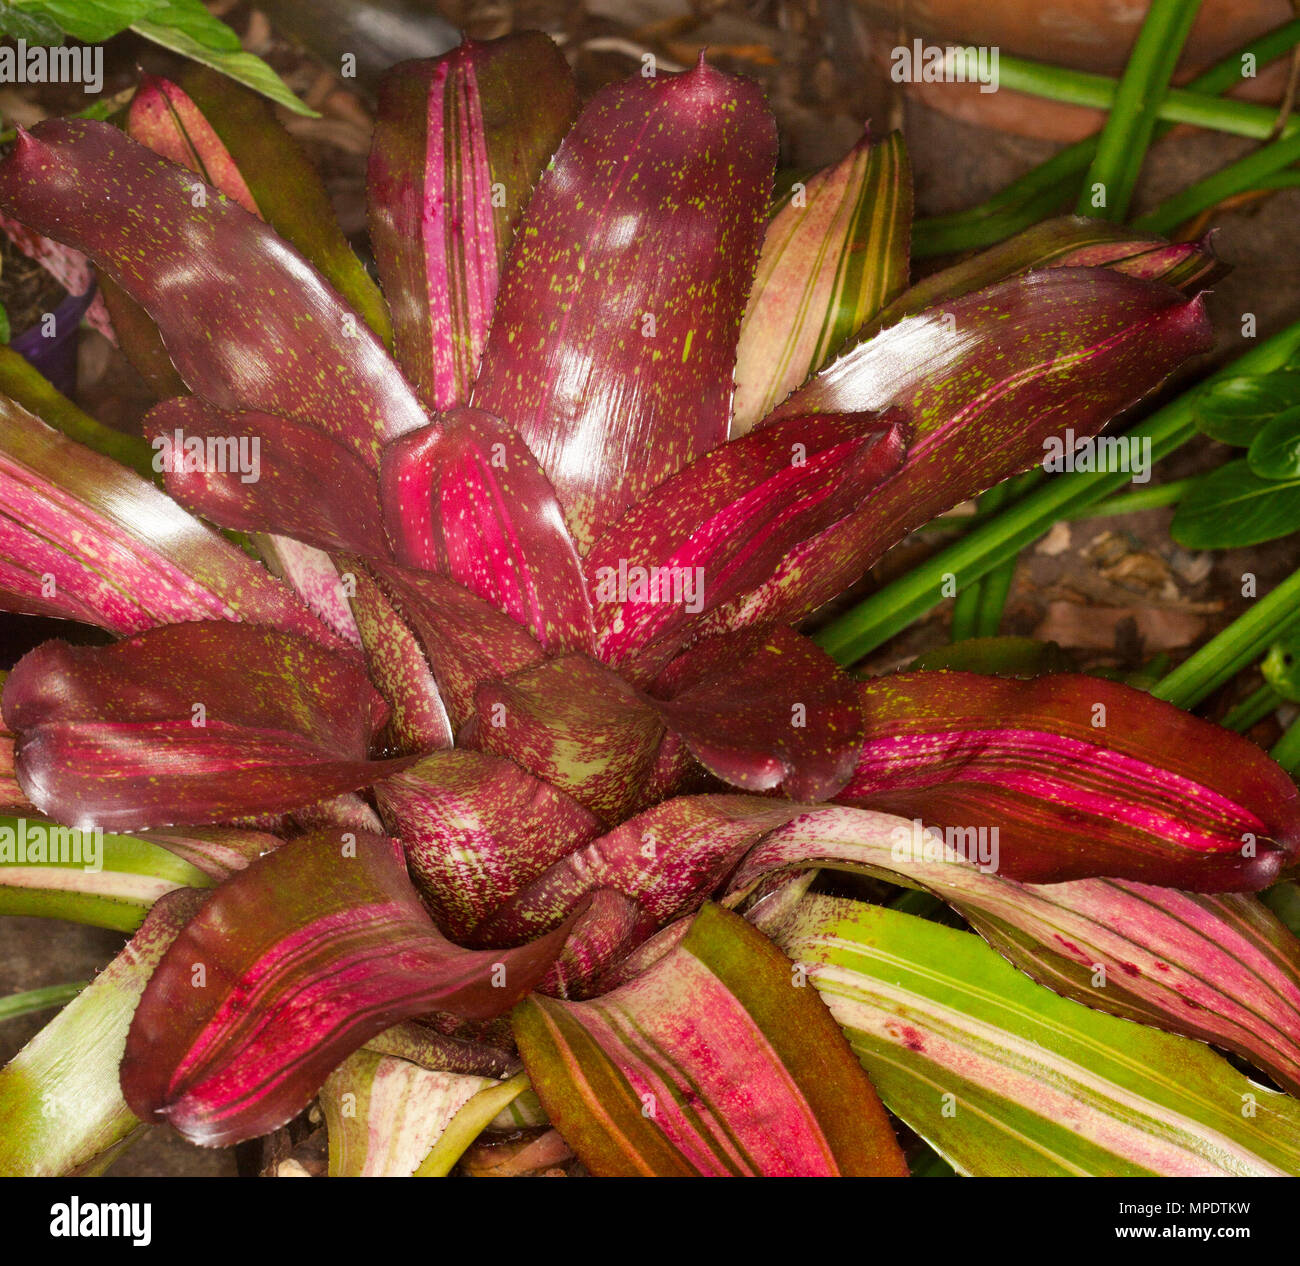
[
  {"x": 613, "y": 343},
  {"x": 190, "y": 723}
]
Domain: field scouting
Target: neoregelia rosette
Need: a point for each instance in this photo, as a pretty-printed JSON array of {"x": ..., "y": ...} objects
[{"x": 517, "y": 699}]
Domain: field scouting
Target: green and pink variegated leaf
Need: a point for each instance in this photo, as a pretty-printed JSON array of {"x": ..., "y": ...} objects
[
  {"x": 306, "y": 955},
  {"x": 464, "y": 497},
  {"x": 613, "y": 343},
  {"x": 399, "y": 670},
  {"x": 476, "y": 829},
  {"x": 191, "y": 723},
  {"x": 83, "y": 538},
  {"x": 762, "y": 709},
  {"x": 717, "y": 529},
  {"x": 832, "y": 257},
  {"x": 459, "y": 142},
  {"x": 667, "y": 859},
  {"x": 271, "y": 474},
  {"x": 1081, "y": 776},
  {"x": 255, "y": 328},
  {"x": 986, "y": 380},
  {"x": 61, "y": 1112},
  {"x": 383, "y": 1114},
  {"x": 712, "y": 1063},
  {"x": 1219, "y": 968},
  {"x": 1004, "y": 1078},
  {"x": 465, "y": 640}
]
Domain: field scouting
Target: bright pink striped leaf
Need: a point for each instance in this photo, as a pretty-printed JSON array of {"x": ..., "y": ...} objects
[
  {"x": 476, "y": 829},
  {"x": 717, "y": 529},
  {"x": 764, "y": 709},
  {"x": 710, "y": 1064},
  {"x": 459, "y": 142},
  {"x": 306, "y": 955},
  {"x": 1219, "y": 968},
  {"x": 83, "y": 538},
  {"x": 190, "y": 723},
  {"x": 986, "y": 379},
  {"x": 255, "y": 327},
  {"x": 669, "y": 860},
  {"x": 259, "y": 472},
  {"x": 613, "y": 342},
  {"x": 465, "y": 497},
  {"x": 1081, "y": 776},
  {"x": 465, "y": 640},
  {"x": 832, "y": 257}
]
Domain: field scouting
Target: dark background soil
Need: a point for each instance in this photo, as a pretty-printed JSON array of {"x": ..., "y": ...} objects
[{"x": 1113, "y": 591}]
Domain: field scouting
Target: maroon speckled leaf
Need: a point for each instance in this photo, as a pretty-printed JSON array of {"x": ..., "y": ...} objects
[
  {"x": 667, "y": 859},
  {"x": 477, "y": 828},
  {"x": 985, "y": 380},
  {"x": 459, "y": 142},
  {"x": 712, "y": 1063},
  {"x": 604, "y": 932},
  {"x": 399, "y": 670},
  {"x": 12, "y": 799},
  {"x": 764, "y": 709},
  {"x": 613, "y": 343},
  {"x": 576, "y": 724},
  {"x": 84, "y": 538},
  {"x": 465, "y": 640},
  {"x": 291, "y": 965},
  {"x": 247, "y": 320},
  {"x": 258, "y": 472},
  {"x": 717, "y": 529},
  {"x": 465, "y": 497},
  {"x": 1069, "y": 241},
  {"x": 190, "y": 723},
  {"x": 1081, "y": 776},
  {"x": 241, "y": 140}
]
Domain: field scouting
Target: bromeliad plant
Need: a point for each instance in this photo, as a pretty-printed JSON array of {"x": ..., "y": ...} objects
[{"x": 516, "y": 723}]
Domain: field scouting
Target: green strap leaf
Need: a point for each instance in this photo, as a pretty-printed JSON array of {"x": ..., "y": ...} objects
[
  {"x": 1002, "y": 1077},
  {"x": 60, "y": 1106},
  {"x": 713, "y": 1062},
  {"x": 107, "y": 881}
]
